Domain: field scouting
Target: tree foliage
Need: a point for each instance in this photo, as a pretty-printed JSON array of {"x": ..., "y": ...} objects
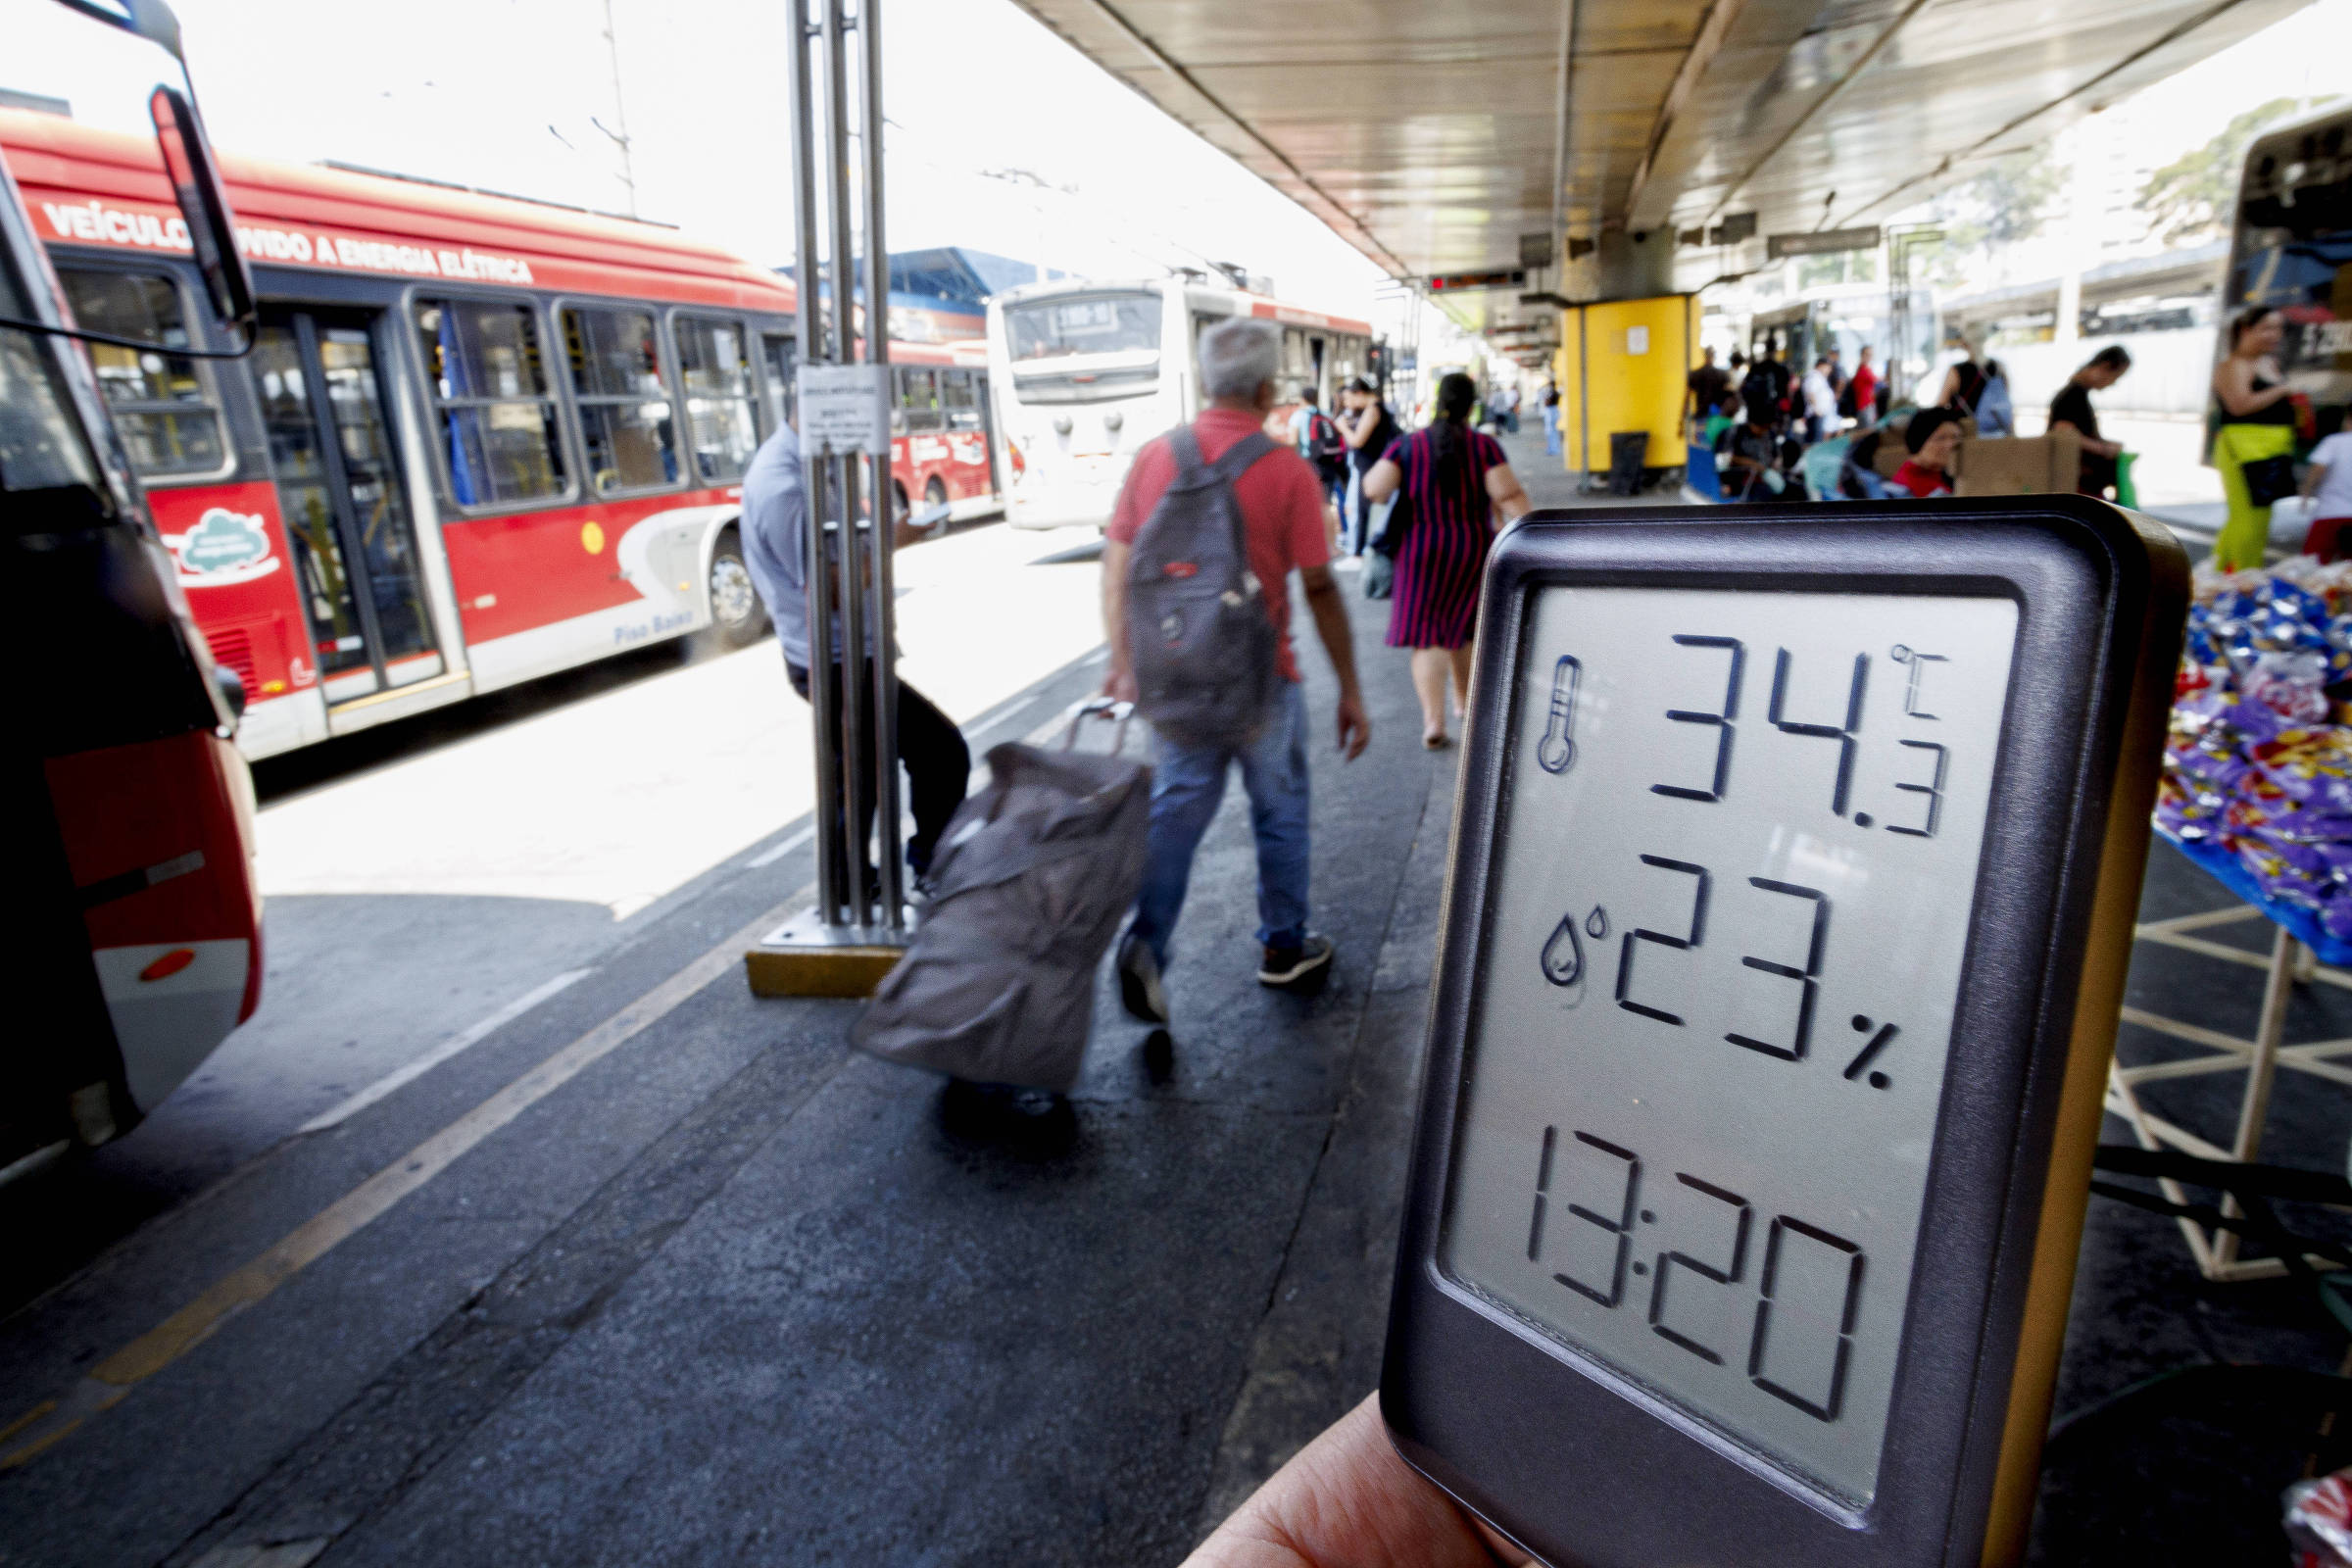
[
  {"x": 2008, "y": 201},
  {"x": 2193, "y": 196}
]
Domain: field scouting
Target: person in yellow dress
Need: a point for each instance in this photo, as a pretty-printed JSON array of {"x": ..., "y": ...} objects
[{"x": 2257, "y": 421}]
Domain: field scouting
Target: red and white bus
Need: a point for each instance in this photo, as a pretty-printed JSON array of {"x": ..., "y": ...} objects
[
  {"x": 1087, "y": 369},
  {"x": 134, "y": 920},
  {"x": 940, "y": 452},
  {"x": 480, "y": 438}
]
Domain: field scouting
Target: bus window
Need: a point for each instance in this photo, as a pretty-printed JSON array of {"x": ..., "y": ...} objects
[
  {"x": 1296, "y": 367},
  {"x": 718, "y": 398},
  {"x": 918, "y": 400},
  {"x": 489, "y": 388},
  {"x": 626, "y": 422},
  {"x": 168, "y": 423},
  {"x": 960, "y": 398},
  {"x": 779, "y": 360}
]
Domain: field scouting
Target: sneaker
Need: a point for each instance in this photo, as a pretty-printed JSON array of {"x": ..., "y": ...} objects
[
  {"x": 1138, "y": 982},
  {"x": 1290, "y": 966}
]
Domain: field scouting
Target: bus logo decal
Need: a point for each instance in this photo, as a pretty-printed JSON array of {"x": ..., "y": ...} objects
[{"x": 224, "y": 547}]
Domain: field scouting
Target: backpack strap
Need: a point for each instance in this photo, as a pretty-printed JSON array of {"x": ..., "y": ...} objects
[
  {"x": 1190, "y": 468},
  {"x": 1239, "y": 458}
]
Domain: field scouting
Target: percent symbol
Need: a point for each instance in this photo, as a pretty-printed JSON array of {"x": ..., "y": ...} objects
[{"x": 1870, "y": 1051}]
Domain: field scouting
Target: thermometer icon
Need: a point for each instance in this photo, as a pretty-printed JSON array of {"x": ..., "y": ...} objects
[{"x": 1555, "y": 752}]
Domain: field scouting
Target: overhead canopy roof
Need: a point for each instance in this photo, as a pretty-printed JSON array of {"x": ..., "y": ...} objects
[{"x": 1433, "y": 136}]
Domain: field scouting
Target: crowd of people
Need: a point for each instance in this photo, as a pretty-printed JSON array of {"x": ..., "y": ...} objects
[{"x": 1778, "y": 435}]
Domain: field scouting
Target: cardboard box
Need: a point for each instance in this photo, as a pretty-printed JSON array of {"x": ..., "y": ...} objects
[{"x": 2013, "y": 465}]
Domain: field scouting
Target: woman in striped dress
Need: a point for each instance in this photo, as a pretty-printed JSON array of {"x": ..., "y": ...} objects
[{"x": 1454, "y": 480}]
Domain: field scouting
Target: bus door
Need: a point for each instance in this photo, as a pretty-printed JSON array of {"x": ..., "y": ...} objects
[{"x": 322, "y": 396}]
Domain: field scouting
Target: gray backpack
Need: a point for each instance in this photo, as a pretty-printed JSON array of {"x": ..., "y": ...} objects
[{"x": 1196, "y": 626}]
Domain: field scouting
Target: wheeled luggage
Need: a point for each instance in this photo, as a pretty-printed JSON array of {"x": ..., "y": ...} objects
[{"x": 1030, "y": 883}]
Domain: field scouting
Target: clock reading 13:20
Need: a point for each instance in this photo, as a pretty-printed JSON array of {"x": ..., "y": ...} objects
[{"x": 1735, "y": 864}]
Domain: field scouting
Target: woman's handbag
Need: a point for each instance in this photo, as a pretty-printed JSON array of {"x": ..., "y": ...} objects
[
  {"x": 1380, "y": 576},
  {"x": 1391, "y": 518},
  {"x": 2268, "y": 480}
]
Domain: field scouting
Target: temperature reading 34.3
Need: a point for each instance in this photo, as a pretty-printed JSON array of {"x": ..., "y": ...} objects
[{"x": 1841, "y": 728}]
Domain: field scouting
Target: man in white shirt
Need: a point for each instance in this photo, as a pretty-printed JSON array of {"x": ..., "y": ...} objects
[
  {"x": 2328, "y": 492},
  {"x": 1821, "y": 402}
]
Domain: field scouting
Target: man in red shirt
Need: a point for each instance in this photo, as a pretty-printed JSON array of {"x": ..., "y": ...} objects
[
  {"x": 1282, "y": 518},
  {"x": 1866, "y": 390}
]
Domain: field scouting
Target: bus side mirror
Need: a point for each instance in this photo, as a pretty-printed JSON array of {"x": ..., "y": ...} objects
[{"x": 212, "y": 226}]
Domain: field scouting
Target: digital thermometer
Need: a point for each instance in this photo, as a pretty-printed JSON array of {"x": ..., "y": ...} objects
[{"x": 1794, "y": 878}]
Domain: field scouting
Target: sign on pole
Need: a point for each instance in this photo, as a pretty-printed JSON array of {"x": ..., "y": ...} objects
[{"x": 845, "y": 411}]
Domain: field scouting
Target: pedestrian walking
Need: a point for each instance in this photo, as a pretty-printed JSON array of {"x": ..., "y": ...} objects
[
  {"x": 1551, "y": 418},
  {"x": 2254, "y": 447},
  {"x": 1703, "y": 387},
  {"x": 1765, "y": 390},
  {"x": 2071, "y": 408},
  {"x": 1963, "y": 385},
  {"x": 1821, "y": 402},
  {"x": 1279, "y": 503},
  {"x": 775, "y": 550},
  {"x": 1865, "y": 387},
  {"x": 1367, "y": 427},
  {"x": 1320, "y": 443},
  {"x": 1453, "y": 479},
  {"x": 1996, "y": 414}
]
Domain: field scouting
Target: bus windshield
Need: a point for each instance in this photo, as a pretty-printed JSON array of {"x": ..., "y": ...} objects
[{"x": 1083, "y": 323}]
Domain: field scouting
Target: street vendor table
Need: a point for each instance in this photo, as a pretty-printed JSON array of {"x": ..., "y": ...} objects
[{"x": 2299, "y": 951}]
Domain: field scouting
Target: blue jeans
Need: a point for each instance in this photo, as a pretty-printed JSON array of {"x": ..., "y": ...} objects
[
  {"x": 1187, "y": 784},
  {"x": 1552, "y": 430}
]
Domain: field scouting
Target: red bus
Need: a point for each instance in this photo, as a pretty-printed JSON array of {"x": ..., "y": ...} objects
[
  {"x": 942, "y": 448},
  {"x": 479, "y": 439},
  {"x": 137, "y": 942}
]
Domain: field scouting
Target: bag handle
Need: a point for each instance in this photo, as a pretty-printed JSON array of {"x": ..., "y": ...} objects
[{"x": 1103, "y": 707}]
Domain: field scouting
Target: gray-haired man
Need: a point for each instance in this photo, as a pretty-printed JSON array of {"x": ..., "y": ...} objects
[{"x": 1281, "y": 518}]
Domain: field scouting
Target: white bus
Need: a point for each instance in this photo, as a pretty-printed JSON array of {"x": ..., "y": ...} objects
[{"x": 1082, "y": 377}]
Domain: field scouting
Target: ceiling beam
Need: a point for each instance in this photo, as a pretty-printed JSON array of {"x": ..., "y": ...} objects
[
  {"x": 1713, "y": 28},
  {"x": 1861, "y": 64},
  {"x": 1167, "y": 62}
]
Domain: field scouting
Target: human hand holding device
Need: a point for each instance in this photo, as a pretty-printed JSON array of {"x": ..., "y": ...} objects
[{"x": 1347, "y": 1500}]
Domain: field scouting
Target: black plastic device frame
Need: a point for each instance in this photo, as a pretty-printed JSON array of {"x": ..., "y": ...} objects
[{"x": 1562, "y": 1453}]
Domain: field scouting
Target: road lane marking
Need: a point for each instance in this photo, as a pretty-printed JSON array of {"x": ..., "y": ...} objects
[
  {"x": 774, "y": 853},
  {"x": 473, "y": 1035},
  {"x": 111, "y": 1381}
]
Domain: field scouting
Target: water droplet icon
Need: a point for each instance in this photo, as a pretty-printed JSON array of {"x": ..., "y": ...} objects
[
  {"x": 1598, "y": 922},
  {"x": 1564, "y": 955}
]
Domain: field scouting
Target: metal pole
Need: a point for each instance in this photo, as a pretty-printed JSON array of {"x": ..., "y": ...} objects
[
  {"x": 856, "y": 769},
  {"x": 832, "y": 854},
  {"x": 817, "y": 564},
  {"x": 882, "y": 617}
]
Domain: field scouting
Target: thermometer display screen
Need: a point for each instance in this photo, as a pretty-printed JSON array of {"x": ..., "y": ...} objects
[{"x": 1735, "y": 860}]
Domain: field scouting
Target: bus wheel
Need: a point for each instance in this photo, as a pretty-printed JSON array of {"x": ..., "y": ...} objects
[
  {"x": 935, "y": 492},
  {"x": 736, "y": 614},
  {"x": 898, "y": 502}
]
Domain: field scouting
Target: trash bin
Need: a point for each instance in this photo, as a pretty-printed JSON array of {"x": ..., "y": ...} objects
[{"x": 1626, "y": 450}]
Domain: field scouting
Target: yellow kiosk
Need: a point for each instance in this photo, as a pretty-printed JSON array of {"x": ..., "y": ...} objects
[{"x": 1622, "y": 368}]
